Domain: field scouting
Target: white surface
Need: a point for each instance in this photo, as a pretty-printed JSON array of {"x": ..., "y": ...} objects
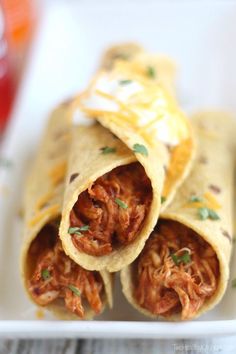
[
  {"x": 66, "y": 50},
  {"x": 226, "y": 345}
]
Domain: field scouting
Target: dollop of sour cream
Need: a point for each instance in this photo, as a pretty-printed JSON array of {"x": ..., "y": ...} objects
[{"x": 146, "y": 103}]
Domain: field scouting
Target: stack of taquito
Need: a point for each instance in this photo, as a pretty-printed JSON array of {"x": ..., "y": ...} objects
[{"x": 137, "y": 188}]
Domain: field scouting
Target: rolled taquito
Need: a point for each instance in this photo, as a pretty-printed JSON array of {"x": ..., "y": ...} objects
[
  {"x": 129, "y": 99},
  {"x": 51, "y": 279},
  {"x": 183, "y": 269},
  {"x": 112, "y": 199}
]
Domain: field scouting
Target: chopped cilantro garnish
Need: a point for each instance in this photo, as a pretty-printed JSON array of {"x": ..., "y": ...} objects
[
  {"x": 206, "y": 213},
  {"x": 125, "y": 82},
  {"x": 213, "y": 215},
  {"x": 203, "y": 213},
  {"x": 195, "y": 198},
  {"x": 163, "y": 199},
  {"x": 121, "y": 203},
  {"x": 151, "y": 72},
  {"x": 74, "y": 289},
  {"x": 107, "y": 150},
  {"x": 184, "y": 258},
  {"x": 140, "y": 149},
  {"x": 45, "y": 274},
  {"x": 77, "y": 230}
]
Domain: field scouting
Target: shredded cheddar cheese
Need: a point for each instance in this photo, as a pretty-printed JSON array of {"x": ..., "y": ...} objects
[
  {"x": 212, "y": 201},
  {"x": 57, "y": 174},
  {"x": 179, "y": 158},
  {"x": 39, "y": 314},
  {"x": 54, "y": 209},
  {"x": 208, "y": 201},
  {"x": 143, "y": 105},
  {"x": 44, "y": 199}
]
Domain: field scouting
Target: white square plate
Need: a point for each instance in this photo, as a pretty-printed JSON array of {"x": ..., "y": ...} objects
[{"x": 71, "y": 36}]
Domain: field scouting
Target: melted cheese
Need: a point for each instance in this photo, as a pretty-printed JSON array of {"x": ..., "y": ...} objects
[
  {"x": 39, "y": 314},
  {"x": 212, "y": 201},
  {"x": 44, "y": 199},
  {"x": 209, "y": 201},
  {"x": 128, "y": 94},
  {"x": 57, "y": 174},
  {"x": 54, "y": 209},
  {"x": 132, "y": 100},
  {"x": 180, "y": 157}
]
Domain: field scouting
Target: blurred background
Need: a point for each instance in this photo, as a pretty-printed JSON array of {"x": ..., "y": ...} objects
[
  {"x": 57, "y": 45},
  {"x": 18, "y": 20}
]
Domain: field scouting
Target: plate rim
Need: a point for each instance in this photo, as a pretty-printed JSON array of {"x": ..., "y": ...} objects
[{"x": 115, "y": 329}]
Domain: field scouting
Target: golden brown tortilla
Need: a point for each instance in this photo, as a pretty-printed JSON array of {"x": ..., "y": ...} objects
[
  {"x": 88, "y": 163},
  {"x": 44, "y": 195},
  {"x": 212, "y": 179}
]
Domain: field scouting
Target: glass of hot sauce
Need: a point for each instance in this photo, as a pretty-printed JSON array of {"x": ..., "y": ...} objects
[
  {"x": 7, "y": 87},
  {"x": 17, "y": 19}
]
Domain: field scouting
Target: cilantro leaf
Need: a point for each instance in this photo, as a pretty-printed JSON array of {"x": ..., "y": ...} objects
[
  {"x": 206, "y": 213},
  {"x": 45, "y": 274},
  {"x": 107, "y": 150},
  {"x": 195, "y": 198},
  {"x": 125, "y": 82},
  {"x": 74, "y": 289},
  {"x": 184, "y": 258},
  {"x": 163, "y": 199},
  {"x": 140, "y": 149},
  {"x": 121, "y": 203},
  {"x": 203, "y": 213},
  {"x": 151, "y": 72},
  {"x": 213, "y": 215},
  {"x": 77, "y": 230}
]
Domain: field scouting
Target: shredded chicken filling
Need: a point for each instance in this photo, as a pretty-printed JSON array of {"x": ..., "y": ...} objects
[
  {"x": 113, "y": 208},
  {"x": 176, "y": 272},
  {"x": 56, "y": 277}
]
